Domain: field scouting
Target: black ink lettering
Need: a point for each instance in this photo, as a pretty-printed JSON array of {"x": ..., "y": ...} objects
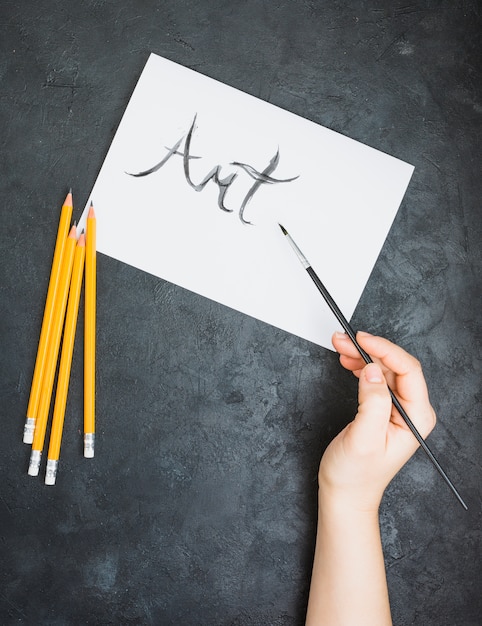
[
  {"x": 223, "y": 183},
  {"x": 260, "y": 179},
  {"x": 214, "y": 174},
  {"x": 169, "y": 154}
]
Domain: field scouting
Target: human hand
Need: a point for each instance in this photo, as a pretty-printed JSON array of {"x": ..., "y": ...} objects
[{"x": 365, "y": 456}]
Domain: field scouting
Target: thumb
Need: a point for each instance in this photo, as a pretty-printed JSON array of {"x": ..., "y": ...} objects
[{"x": 374, "y": 409}]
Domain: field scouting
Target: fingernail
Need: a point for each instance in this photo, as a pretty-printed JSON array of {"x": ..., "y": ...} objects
[
  {"x": 364, "y": 334},
  {"x": 340, "y": 335},
  {"x": 373, "y": 373}
]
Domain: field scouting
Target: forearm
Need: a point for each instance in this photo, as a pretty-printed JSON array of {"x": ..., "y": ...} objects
[{"x": 348, "y": 586}]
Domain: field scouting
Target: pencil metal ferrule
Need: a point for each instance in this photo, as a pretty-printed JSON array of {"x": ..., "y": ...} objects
[
  {"x": 28, "y": 430},
  {"x": 34, "y": 465},
  {"x": 89, "y": 445},
  {"x": 51, "y": 472}
]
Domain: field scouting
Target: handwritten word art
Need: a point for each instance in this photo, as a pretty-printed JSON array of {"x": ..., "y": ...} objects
[{"x": 224, "y": 183}]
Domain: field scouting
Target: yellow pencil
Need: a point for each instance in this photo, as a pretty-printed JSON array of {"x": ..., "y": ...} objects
[
  {"x": 89, "y": 335},
  {"x": 52, "y": 353},
  {"x": 63, "y": 229},
  {"x": 65, "y": 363}
]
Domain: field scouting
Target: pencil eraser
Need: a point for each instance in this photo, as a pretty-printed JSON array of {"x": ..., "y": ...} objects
[
  {"x": 34, "y": 465},
  {"x": 89, "y": 444},
  {"x": 28, "y": 430},
  {"x": 51, "y": 472}
]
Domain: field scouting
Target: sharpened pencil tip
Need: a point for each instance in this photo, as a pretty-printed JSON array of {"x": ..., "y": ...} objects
[{"x": 285, "y": 232}]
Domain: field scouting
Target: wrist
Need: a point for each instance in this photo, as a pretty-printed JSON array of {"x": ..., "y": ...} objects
[{"x": 337, "y": 502}]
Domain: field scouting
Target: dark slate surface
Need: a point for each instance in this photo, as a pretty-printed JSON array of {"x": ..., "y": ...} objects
[{"x": 200, "y": 505}]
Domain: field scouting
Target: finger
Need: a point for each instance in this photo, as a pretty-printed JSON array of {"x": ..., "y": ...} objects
[
  {"x": 345, "y": 346},
  {"x": 369, "y": 428},
  {"x": 411, "y": 383},
  {"x": 351, "y": 364},
  {"x": 402, "y": 371},
  {"x": 408, "y": 379},
  {"x": 350, "y": 357}
]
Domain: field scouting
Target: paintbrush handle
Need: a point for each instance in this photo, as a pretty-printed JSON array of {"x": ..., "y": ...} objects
[
  {"x": 337, "y": 312},
  {"x": 428, "y": 452},
  {"x": 366, "y": 357}
]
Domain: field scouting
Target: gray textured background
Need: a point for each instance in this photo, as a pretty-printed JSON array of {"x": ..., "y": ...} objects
[{"x": 200, "y": 505}]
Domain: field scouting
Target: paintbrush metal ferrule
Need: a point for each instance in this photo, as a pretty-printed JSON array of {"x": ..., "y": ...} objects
[
  {"x": 303, "y": 260},
  {"x": 352, "y": 334}
]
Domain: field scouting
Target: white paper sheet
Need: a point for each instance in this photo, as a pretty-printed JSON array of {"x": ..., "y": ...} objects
[{"x": 338, "y": 208}]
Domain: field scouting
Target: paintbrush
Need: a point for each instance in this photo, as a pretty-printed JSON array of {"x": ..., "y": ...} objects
[{"x": 351, "y": 333}]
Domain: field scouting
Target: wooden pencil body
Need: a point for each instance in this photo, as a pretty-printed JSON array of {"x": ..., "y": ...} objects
[
  {"x": 45, "y": 333},
  {"x": 52, "y": 353},
  {"x": 67, "y": 352},
  {"x": 90, "y": 335}
]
